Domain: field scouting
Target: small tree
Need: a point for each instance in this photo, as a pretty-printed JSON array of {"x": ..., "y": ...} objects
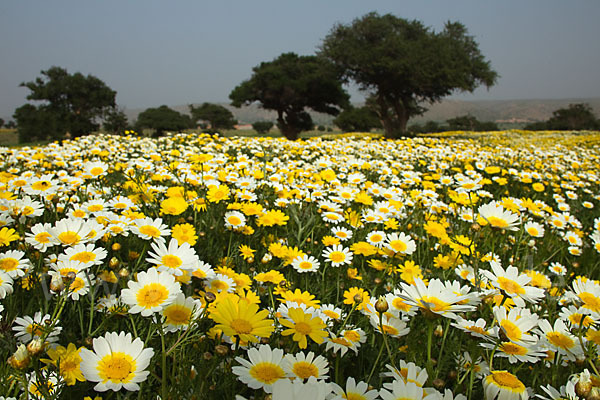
[
  {"x": 115, "y": 121},
  {"x": 35, "y": 123},
  {"x": 262, "y": 126},
  {"x": 361, "y": 119},
  {"x": 1, "y": 122},
  {"x": 217, "y": 116},
  {"x": 575, "y": 117},
  {"x": 403, "y": 64},
  {"x": 289, "y": 85},
  {"x": 76, "y": 102},
  {"x": 162, "y": 119}
]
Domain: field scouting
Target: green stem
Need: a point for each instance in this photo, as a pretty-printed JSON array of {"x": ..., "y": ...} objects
[
  {"x": 387, "y": 346},
  {"x": 446, "y": 328},
  {"x": 375, "y": 363}
]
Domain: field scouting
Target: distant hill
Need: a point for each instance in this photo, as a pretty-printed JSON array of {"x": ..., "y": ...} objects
[{"x": 500, "y": 111}]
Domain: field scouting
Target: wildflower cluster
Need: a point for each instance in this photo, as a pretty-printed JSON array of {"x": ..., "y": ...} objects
[{"x": 195, "y": 266}]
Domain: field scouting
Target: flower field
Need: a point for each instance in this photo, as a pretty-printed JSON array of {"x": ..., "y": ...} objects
[{"x": 459, "y": 266}]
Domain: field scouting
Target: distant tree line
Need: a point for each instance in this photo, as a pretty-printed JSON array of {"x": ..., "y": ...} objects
[
  {"x": 401, "y": 65},
  {"x": 575, "y": 117}
]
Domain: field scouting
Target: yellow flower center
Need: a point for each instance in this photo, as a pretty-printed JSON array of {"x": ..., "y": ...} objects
[
  {"x": 43, "y": 237},
  {"x": 267, "y": 372},
  {"x": 510, "y": 286},
  {"x": 77, "y": 284},
  {"x": 171, "y": 261},
  {"x": 341, "y": 341},
  {"x": 513, "y": 332},
  {"x": 331, "y": 314},
  {"x": 35, "y": 330},
  {"x": 152, "y": 295},
  {"x": 241, "y": 326},
  {"x": 305, "y": 370},
  {"x": 303, "y": 328},
  {"x": 177, "y": 314},
  {"x": 150, "y": 231},
  {"x": 506, "y": 380},
  {"x": 234, "y": 220},
  {"x": 27, "y": 210},
  {"x": 560, "y": 340},
  {"x": 41, "y": 185},
  {"x": 514, "y": 349},
  {"x": 497, "y": 222},
  {"x": 84, "y": 257},
  {"x": 9, "y": 264},
  {"x": 95, "y": 208},
  {"x": 79, "y": 213},
  {"x": 69, "y": 238},
  {"x": 119, "y": 205},
  {"x": 376, "y": 238},
  {"x": 353, "y": 396},
  {"x": 590, "y": 301},
  {"x": 337, "y": 256},
  {"x": 433, "y": 303},
  {"x": 305, "y": 265},
  {"x": 389, "y": 330},
  {"x": 477, "y": 329},
  {"x": 577, "y": 319},
  {"x": 352, "y": 336},
  {"x": 116, "y": 367},
  {"x": 398, "y": 246},
  {"x": 96, "y": 171}
]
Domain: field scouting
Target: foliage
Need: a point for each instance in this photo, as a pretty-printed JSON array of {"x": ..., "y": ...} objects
[
  {"x": 357, "y": 119},
  {"x": 403, "y": 64},
  {"x": 73, "y": 101},
  {"x": 262, "y": 126},
  {"x": 115, "y": 121},
  {"x": 200, "y": 267},
  {"x": 35, "y": 123},
  {"x": 217, "y": 116},
  {"x": 1, "y": 122},
  {"x": 162, "y": 119},
  {"x": 470, "y": 123},
  {"x": 575, "y": 117},
  {"x": 289, "y": 85}
]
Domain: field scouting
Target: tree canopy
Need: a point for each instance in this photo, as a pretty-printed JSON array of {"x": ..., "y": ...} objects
[
  {"x": 403, "y": 64},
  {"x": 71, "y": 103},
  {"x": 217, "y": 116},
  {"x": 162, "y": 119},
  {"x": 357, "y": 119},
  {"x": 290, "y": 84}
]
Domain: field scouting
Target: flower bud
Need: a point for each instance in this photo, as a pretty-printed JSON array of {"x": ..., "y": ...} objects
[
  {"x": 381, "y": 305},
  {"x": 438, "y": 383},
  {"x": 594, "y": 394},
  {"x": 57, "y": 284},
  {"x": 357, "y": 298},
  {"x": 114, "y": 263},
  {"x": 583, "y": 386},
  {"x": 210, "y": 297},
  {"x": 221, "y": 350},
  {"x": 20, "y": 359},
  {"x": 36, "y": 346},
  {"x": 116, "y": 246}
]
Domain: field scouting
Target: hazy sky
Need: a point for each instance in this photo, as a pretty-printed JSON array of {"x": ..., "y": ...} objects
[{"x": 155, "y": 52}]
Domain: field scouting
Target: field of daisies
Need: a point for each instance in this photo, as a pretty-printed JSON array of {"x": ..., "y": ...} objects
[{"x": 461, "y": 266}]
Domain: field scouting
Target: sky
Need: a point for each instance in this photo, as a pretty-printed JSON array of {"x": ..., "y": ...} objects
[{"x": 177, "y": 52}]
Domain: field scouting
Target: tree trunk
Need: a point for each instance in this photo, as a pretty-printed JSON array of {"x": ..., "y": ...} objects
[
  {"x": 394, "y": 117},
  {"x": 288, "y": 131}
]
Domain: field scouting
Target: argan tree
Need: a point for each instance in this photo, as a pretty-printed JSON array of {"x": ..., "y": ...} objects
[
  {"x": 290, "y": 85},
  {"x": 404, "y": 65},
  {"x": 74, "y": 103}
]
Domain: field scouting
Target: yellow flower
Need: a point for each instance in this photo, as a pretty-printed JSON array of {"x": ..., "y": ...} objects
[
  {"x": 303, "y": 324},
  {"x": 330, "y": 240},
  {"x": 7, "y": 236},
  {"x": 409, "y": 271},
  {"x": 300, "y": 297},
  {"x": 68, "y": 360},
  {"x": 363, "y": 248},
  {"x": 353, "y": 274},
  {"x": 246, "y": 252},
  {"x": 173, "y": 205},
  {"x": 355, "y": 293},
  {"x": 242, "y": 319},
  {"x": 272, "y": 276},
  {"x": 272, "y": 217},
  {"x": 217, "y": 194},
  {"x": 184, "y": 233}
]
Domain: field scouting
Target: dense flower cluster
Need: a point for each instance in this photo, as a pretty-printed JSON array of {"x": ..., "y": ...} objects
[{"x": 357, "y": 268}]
